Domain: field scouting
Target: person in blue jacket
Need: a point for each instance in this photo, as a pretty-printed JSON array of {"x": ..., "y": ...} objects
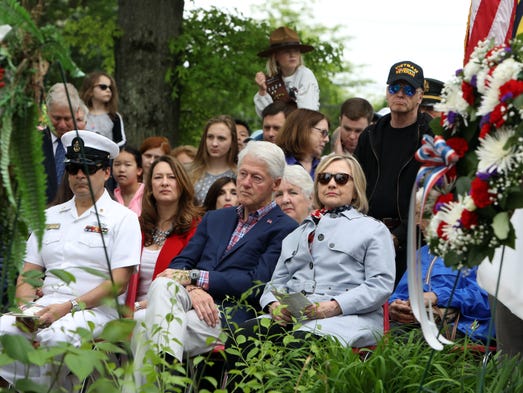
[{"x": 468, "y": 308}]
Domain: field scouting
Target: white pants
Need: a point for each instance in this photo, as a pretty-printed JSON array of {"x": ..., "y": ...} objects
[
  {"x": 182, "y": 332},
  {"x": 62, "y": 330}
]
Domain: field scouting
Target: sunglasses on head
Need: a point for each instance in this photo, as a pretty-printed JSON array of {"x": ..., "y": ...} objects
[
  {"x": 407, "y": 89},
  {"x": 340, "y": 178},
  {"x": 104, "y": 87},
  {"x": 73, "y": 169}
]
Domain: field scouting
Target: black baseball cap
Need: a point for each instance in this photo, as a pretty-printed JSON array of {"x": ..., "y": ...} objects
[{"x": 408, "y": 72}]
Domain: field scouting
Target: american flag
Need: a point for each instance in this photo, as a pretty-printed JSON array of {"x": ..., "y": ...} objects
[{"x": 497, "y": 19}]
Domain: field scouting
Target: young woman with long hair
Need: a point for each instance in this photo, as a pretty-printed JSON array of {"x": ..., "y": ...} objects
[{"x": 216, "y": 156}]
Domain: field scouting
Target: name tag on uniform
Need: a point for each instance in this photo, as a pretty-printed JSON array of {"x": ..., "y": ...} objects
[{"x": 49, "y": 227}]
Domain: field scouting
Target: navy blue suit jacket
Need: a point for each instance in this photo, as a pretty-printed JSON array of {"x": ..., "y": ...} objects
[
  {"x": 49, "y": 165},
  {"x": 253, "y": 258}
]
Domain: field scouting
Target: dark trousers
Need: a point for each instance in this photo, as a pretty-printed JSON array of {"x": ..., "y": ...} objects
[{"x": 509, "y": 329}]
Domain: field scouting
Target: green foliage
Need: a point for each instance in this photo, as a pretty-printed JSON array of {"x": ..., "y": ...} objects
[
  {"x": 91, "y": 32},
  {"x": 89, "y": 28},
  {"x": 399, "y": 364},
  {"x": 216, "y": 68},
  {"x": 118, "y": 330}
]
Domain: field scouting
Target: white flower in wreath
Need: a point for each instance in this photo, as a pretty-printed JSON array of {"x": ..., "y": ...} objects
[
  {"x": 450, "y": 213},
  {"x": 507, "y": 70},
  {"x": 453, "y": 100},
  {"x": 494, "y": 154},
  {"x": 471, "y": 69},
  {"x": 479, "y": 54},
  {"x": 482, "y": 80}
]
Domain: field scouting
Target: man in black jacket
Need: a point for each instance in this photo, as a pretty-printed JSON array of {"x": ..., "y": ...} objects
[{"x": 386, "y": 153}]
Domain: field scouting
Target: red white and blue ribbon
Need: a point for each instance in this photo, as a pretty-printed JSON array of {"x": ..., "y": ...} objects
[{"x": 437, "y": 158}]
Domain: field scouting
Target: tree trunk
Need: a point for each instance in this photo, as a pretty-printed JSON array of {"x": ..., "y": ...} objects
[{"x": 142, "y": 61}]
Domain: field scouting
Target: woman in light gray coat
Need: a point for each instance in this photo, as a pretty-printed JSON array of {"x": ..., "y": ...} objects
[{"x": 341, "y": 260}]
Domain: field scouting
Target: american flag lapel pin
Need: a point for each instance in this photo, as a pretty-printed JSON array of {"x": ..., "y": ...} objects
[{"x": 269, "y": 221}]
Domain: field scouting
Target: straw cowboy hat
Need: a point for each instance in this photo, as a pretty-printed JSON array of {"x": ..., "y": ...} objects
[{"x": 283, "y": 38}]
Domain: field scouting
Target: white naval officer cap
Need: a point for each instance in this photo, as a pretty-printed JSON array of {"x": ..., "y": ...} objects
[{"x": 94, "y": 147}]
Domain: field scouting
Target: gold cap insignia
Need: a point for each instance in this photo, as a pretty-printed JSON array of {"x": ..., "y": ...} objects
[{"x": 76, "y": 146}]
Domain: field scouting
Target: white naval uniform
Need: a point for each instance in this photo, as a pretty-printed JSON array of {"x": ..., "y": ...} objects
[{"x": 72, "y": 243}]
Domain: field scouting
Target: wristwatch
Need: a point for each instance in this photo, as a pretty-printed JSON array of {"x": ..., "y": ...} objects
[
  {"x": 194, "y": 275},
  {"x": 75, "y": 306}
]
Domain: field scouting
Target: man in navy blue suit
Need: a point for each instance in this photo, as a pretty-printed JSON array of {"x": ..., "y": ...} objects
[
  {"x": 61, "y": 119},
  {"x": 232, "y": 251}
]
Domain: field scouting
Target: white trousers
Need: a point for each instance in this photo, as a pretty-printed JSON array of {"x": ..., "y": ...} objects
[
  {"x": 170, "y": 326},
  {"x": 62, "y": 330}
]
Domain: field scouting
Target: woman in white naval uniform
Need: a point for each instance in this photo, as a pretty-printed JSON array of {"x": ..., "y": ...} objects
[
  {"x": 341, "y": 259},
  {"x": 72, "y": 242}
]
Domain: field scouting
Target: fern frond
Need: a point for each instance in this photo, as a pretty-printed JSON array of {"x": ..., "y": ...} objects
[
  {"x": 13, "y": 243},
  {"x": 27, "y": 157},
  {"x": 6, "y": 128}
]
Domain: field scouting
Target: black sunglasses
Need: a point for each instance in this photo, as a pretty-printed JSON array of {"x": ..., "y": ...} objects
[
  {"x": 104, "y": 87},
  {"x": 73, "y": 169},
  {"x": 340, "y": 178}
]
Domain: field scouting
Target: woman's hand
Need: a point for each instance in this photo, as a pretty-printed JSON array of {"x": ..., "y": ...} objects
[
  {"x": 204, "y": 305},
  {"x": 52, "y": 313},
  {"x": 401, "y": 311},
  {"x": 280, "y": 313},
  {"x": 260, "y": 80},
  {"x": 327, "y": 309}
]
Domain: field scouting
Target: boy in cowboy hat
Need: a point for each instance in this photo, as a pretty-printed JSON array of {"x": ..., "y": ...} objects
[{"x": 287, "y": 79}]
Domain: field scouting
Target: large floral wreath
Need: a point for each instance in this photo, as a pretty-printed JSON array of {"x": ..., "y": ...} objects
[{"x": 472, "y": 198}]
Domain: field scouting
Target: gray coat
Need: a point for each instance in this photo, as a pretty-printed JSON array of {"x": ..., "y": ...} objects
[{"x": 350, "y": 260}]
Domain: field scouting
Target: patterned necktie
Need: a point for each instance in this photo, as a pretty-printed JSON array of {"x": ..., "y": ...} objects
[{"x": 59, "y": 159}]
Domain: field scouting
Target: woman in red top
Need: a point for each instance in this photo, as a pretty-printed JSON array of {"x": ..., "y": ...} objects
[{"x": 169, "y": 219}]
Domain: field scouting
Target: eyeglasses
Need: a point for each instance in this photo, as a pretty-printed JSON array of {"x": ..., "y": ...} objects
[
  {"x": 407, "y": 89},
  {"x": 324, "y": 133},
  {"x": 73, "y": 169},
  {"x": 340, "y": 178},
  {"x": 104, "y": 87}
]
